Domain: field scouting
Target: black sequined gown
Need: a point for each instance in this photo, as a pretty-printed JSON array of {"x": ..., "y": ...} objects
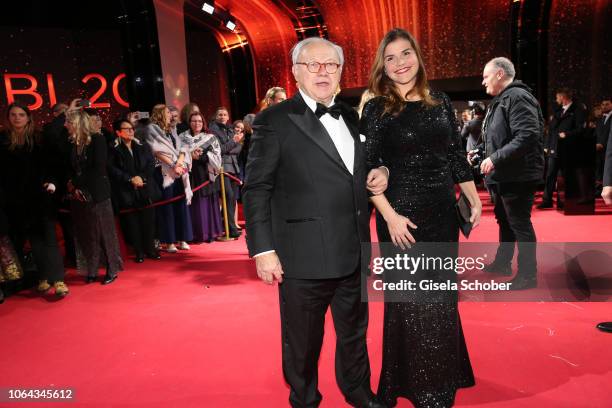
[{"x": 425, "y": 358}]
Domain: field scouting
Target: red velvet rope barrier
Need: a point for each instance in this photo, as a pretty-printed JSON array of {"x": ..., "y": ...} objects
[{"x": 168, "y": 201}]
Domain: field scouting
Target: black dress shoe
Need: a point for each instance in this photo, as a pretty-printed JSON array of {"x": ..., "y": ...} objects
[
  {"x": 90, "y": 279},
  {"x": 520, "y": 283},
  {"x": 1, "y": 296},
  {"x": 109, "y": 279},
  {"x": 154, "y": 255},
  {"x": 235, "y": 234},
  {"x": 605, "y": 327},
  {"x": 503, "y": 270},
  {"x": 139, "y": 259},
  {"x": 545, "y": 204}
]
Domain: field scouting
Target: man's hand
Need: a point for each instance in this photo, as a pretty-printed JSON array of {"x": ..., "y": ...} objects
[
  {"x": 486, "y": 166},
  {"x": 606, "y": 193},
  {"x": 599, "y": 147},
  {"x": 471, "y": 155},
  {"x": 377, "y": 181},
  {"x": 562, "y": 135},
  {"x": 269, "y": 268}
]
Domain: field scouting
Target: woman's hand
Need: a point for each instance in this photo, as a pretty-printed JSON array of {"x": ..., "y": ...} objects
[
  {"x": 196, "y": 154},
  {"x": 476, "y": 212},
  {"x": 179, "y": 169},
  {"x": 398, "y": 229}
]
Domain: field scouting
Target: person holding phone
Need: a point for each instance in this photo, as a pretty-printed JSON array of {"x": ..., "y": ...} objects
[{"x": 89, "y": 187}]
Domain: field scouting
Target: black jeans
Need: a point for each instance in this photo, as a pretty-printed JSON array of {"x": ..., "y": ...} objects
[
  {"x": 303, "y": 304},
  {"x": 513, "y": 202}
]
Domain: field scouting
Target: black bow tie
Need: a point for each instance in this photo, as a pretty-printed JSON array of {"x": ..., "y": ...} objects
[{"x": 335, "y": 111}]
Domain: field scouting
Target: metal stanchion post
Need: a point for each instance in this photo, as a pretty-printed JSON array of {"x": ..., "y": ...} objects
[{"x": 224, "y": 202}]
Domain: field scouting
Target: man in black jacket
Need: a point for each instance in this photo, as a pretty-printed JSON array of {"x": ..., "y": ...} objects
[
  {"x": 563, "y": 140},
  {"x": 602, "y": 130},
  {"x": 230, "y": 149},
  {"x": 306, "y": 207},
  {"x": 513, "y": 167}
]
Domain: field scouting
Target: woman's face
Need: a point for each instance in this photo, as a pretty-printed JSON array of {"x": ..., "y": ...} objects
[
  {"x": 239, "y": 128},
  {"x": 18, "y": 118},
  {"x": 96, "y": 124},
  {"x": 125, "y": 132},
  {"x": 401, "y": 62},
  {"x": 168, "y": 117},
  {"x": 69, "y": 127},
  {"x": 196, "y": 124}
]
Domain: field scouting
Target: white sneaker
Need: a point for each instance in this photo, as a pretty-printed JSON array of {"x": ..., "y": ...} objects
[
  {"x": 184, "y": 246},
  {"x": 171, "y": 248}
]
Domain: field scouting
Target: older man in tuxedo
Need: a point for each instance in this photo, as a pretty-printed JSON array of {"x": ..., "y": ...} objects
[{"x": 306, "y": 207}]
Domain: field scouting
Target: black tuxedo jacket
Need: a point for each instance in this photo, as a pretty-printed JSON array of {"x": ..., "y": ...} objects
[
  {"x": 572, "y": 123},
  {"x": 299, "y": 198}
]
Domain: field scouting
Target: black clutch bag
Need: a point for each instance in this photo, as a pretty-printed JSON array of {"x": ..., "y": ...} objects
[{"x": 464, "y": 212}]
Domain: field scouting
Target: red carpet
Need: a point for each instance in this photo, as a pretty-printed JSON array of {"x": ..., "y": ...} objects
[{"x": 197, "y": 329}]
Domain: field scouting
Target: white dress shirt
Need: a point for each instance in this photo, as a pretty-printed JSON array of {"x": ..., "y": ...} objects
[{"x": 338, "y": 131}]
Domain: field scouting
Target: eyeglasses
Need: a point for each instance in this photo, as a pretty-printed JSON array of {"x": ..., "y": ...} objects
[
  {"x": 314, "y": 67},
  {"x": 196, "y": 121},
  {"x": 238, "y": 130},
  {"x": 127, "y": 129}
]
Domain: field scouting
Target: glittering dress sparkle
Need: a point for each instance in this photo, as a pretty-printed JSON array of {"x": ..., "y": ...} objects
[{"x": 425, "y": 357}]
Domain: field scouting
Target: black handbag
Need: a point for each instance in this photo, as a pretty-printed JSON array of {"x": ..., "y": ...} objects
[{"x": 464, "y": 212}]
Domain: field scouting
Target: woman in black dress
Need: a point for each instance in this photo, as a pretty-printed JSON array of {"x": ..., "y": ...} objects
[{"x": 412, "y": 131}]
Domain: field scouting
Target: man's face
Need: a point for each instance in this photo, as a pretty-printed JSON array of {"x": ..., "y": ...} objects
[
  {"x": 222, "y": 116},
  {"x": 174, "y": 118},
  {"x": 560, "y": 99},
  {"x": 492, "y": 79},
  {"x": 320, "y": 86},
  {"x": 606, "y": 106}
]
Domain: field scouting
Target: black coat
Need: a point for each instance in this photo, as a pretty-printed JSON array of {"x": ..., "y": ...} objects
[
  {"x": 123, "y": 166},
  {"x": 88, "y": 172},
  {"x": 299, "y": 198},
  {"x": 572, "y": 122},
  {"x": 513, "y": 140},
  {"x": 23, "y": 172}
]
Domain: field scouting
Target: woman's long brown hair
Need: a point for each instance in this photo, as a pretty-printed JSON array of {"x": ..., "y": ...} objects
[{"x": 381, "y": 85}]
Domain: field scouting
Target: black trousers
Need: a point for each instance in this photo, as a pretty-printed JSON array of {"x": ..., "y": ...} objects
[
  {"x": 139, "y": 229},
  {"x": 303, "y": 304},
  {"x": 65, "y": 220},
  {"x": 600, "y": 159},
  {"x": 513, "y": 202},
  {"x": 550, "y": 185},
  {"x": 230, "y": 196},
  {"x": 45, "y": 248}
]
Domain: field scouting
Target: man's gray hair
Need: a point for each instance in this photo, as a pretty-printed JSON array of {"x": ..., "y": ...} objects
[
  {"x": 505, "y": 64},
  {"x": 297, "y": 48}
]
